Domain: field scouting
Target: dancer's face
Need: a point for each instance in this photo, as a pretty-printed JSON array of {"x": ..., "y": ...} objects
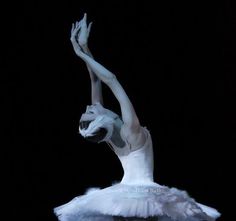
[{"x": 97, "y": 123}]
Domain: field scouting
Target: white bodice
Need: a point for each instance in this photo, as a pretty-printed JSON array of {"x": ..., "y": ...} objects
[{"x": 137, "y": 164}]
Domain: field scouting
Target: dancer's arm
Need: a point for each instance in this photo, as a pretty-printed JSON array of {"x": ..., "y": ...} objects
[
  {"x": 82, "y": 39},
  {"x": 131, "y": 122}
]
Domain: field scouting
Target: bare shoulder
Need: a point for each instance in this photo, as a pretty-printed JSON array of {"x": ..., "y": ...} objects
[{"x": 136, "y": 137}]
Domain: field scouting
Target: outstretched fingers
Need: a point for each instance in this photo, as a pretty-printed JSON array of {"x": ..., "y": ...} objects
[
  {"x": 80, "y": 33},
  {"x": 75, "y": 29},
  {"x": 85, "y": 18},
  {"x": 72, "y": 28},
  {"x": 89, "y": 27}
]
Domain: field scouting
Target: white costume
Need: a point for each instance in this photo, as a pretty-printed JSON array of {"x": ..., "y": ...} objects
[{"x": 136, "y": 195}]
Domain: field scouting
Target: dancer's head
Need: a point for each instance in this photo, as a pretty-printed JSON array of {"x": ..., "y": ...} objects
[{"x": 97, "y": 123}]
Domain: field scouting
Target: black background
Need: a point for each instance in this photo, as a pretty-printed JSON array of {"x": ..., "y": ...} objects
[{"x": 176, "y": 60}]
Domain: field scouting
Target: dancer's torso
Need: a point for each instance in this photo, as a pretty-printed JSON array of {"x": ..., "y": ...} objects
[{"x": 137, "y": 163}]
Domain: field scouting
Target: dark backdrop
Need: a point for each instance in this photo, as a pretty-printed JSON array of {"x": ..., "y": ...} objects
[{"x": 176, "y": 60}]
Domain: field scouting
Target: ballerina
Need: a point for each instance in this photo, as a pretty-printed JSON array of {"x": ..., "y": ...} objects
[{"x": 137, "y": 196}]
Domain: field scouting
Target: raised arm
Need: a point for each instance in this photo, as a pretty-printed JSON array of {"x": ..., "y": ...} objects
[
  {"x": 129, "y": 116},
  {"x": 82, "y": 39}
]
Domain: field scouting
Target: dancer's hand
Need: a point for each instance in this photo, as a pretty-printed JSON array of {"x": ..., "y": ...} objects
[
  {"x": 74, "y": 36},
  {"x": 84, "y": 31},
  {"x": 79, "y": 35}
]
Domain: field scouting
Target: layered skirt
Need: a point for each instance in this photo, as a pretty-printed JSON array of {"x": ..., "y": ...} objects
[{"x": 135, "y": 202}]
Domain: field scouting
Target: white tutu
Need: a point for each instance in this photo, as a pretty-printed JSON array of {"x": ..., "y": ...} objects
[
  {"x": 147, "y": 202},
  {"x": 136, "y": 197}
]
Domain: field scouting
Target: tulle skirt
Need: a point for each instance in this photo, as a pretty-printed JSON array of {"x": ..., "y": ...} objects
[{"x": 135, "y": 202}]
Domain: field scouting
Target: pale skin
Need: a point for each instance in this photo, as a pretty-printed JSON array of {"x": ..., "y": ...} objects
[{"x": 131, "y": 127}]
